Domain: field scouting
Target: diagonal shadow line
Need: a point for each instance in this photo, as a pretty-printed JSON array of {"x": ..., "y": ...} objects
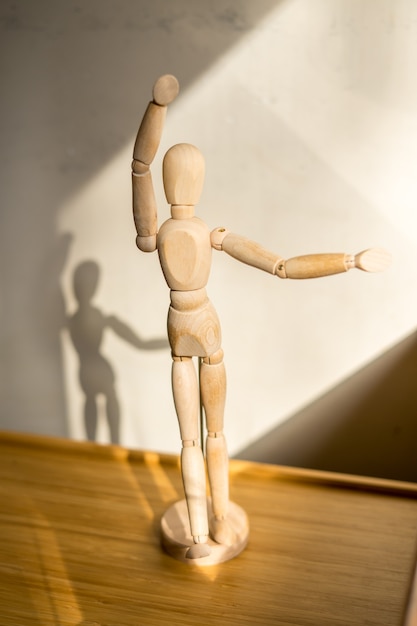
[
  {"x": 91, "y": 94},
  {"x": 366, "y": 425}
]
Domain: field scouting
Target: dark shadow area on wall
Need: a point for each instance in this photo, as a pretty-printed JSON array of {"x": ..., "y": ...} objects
[
  {"x": 33, "y": 314},
  {"x": 367, "y": 425},
  {"x": 86, "y": 327},
  {"x": 75, "y": 79}
]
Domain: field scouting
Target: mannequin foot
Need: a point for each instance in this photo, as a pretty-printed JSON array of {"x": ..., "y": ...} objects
[
  {"x": 198, "y": 551},
  {"x": 190, "y": 549},
  {"x": 222, "y": 532}
]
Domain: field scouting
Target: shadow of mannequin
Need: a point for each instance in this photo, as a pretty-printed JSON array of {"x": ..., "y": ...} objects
[{"x": 86, "y": 327}]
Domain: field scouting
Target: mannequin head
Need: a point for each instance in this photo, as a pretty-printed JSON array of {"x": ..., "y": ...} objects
[{"x": 183, "y": 174}]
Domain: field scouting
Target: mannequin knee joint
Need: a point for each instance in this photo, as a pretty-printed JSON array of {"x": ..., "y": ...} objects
[{"x": 214, "y": 359}]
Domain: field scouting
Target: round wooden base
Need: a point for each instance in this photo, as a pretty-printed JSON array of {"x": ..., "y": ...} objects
[{"x": 176, "y": 537}]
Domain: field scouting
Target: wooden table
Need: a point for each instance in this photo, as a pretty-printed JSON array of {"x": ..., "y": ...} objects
[{"x": 79, "y": 533}]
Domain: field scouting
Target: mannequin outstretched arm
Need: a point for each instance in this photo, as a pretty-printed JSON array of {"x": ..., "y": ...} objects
[
  {"x": 147, "y": 142},
  {"x": 307, "y": 266}
]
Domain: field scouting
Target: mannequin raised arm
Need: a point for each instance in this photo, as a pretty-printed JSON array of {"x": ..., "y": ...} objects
[
  {"x": 307, "y": 266},
  {"x": 147, "y": 142}
]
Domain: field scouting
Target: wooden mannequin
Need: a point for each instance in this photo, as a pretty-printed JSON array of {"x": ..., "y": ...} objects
[{"x": 184, "y": 245}]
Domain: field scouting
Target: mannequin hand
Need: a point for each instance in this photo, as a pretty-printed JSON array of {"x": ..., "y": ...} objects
[
  {"x": 371, "y": 260},
  {"x": 165, "y": 90}
]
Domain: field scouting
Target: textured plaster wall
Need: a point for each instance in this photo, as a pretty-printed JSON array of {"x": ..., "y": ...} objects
[{"x": 306, "y": 113}]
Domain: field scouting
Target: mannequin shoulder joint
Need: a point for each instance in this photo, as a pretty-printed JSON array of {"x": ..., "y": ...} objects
[{"x": 217, "y": 237}]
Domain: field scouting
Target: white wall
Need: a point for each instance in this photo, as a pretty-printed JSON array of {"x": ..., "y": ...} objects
[{"x": 306, "y": 114}]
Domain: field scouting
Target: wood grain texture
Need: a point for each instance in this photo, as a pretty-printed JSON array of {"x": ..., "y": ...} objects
[
  {"x": 165, "y": 90},
  {"x": 144, "y": 205},
  {"x": 315, "y": 265},
  {"x": 79, "y": 543},
  {"x": 176, "y": 537},
  {"x": 185, "y": 253},
  {"x": 149, "y": 133},
  {"x": 183, "y": 171},
  {"x": 245, "y": 250}
]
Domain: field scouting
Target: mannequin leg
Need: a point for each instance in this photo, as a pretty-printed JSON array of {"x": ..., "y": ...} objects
[
  {"x": 213, "y": 392},
  {"x": 186, "y": 399}
]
